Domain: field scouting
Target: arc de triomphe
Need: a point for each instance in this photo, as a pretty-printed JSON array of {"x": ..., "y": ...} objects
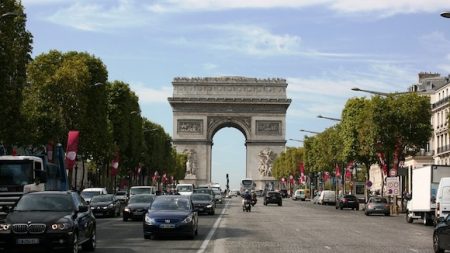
[{"x": 203, "y": 106}]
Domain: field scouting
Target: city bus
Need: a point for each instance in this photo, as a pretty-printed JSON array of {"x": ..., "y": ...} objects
[{"x": 247, "y": 184}]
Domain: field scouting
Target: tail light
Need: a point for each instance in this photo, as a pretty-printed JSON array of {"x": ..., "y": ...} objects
[
  {"x": 387, "y": 205},
  {"x": 369, "y": 206}
]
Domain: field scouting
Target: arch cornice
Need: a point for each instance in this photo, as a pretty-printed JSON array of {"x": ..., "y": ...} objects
[{"x": 215, "y": 123}]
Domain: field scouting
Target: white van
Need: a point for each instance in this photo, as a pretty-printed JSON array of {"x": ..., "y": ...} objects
[
  {"x": 443, "y": 198},
  {"x": 327, "y": 197},
  {"x": 185, "y": 189},
  {"x": 88, "y": 193},
  {"x": 145, "y": 189}
]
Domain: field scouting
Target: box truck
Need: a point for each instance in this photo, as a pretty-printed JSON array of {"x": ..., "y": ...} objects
[{"x": 425, "y": 182}]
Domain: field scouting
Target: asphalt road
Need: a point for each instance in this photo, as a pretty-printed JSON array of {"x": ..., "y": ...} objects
[{"x": 294, "y": 227}]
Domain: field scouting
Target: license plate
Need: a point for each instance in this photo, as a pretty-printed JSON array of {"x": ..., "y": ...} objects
[
  {"x": 137, "y": 213},
  {"x": 28, "y": 241},
  {"x": 167, "y": 225}
]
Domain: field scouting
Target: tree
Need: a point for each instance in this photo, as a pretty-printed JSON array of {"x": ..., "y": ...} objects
[{"x": 15, "y": 54}]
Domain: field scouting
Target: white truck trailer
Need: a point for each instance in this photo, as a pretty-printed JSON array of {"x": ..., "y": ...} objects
[{"x": 425, "y": 182}]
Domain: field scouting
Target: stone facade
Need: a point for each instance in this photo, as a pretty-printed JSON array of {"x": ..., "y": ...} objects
[{"x": 256, "y": 107}]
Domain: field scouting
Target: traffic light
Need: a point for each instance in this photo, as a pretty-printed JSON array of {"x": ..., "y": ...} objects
[{"x": 228, "y": 182}]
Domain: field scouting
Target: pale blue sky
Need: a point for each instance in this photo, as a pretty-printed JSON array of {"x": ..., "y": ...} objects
[{"x": 322, "y": 47}]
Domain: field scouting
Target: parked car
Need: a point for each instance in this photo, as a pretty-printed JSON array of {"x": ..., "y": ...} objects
[
  {"x": 377, "y": 205},
  {"x": 122, "y": 196},
  {"x": 327, "y": 197},
  {"x": 441, "y": 235},
  {"x": 171, "y": 215},
  {"x": 443, "y": 198},
  {"x": 105, "y": 205},
  {"x": 203, "y": 203},
  {"x": 348, "y": 201},
  {"x": 49, "y": 220},
  {"x": 273, "y": 197},
  {"x": 88, "y": 193},
  {"x": 137, "y": 206}
]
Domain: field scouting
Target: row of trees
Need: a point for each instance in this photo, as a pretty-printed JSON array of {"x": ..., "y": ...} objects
[
  {"x": 378, "y": 130},
  {"x": 46, "y": 97}
]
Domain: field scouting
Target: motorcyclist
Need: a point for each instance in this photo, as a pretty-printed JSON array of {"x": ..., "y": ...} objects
[
  {"x": 247, "y": 197},
  {"x": 253, "y": 197}
]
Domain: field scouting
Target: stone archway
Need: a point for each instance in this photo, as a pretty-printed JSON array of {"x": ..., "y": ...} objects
[{"x": 203, "y": 106}]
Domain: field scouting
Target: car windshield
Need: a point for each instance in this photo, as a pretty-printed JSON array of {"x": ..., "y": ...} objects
[
  {"x": 102, "y": 198},
  {"x": 134, "y": 191},
  {"x": 141, "y": 199},
  {"x": 185, "y": 188},
  {"x": 45, "y": 202},
  {"x": 201, "y": 197},
  {"x": 270, "y": 194},
  {"x": 170, "y": 204},
  {"x": 351, "y": 197},
  {"x": 379, "y": 200},
  {"x": 89, "y": 194},
  {"x": 121, "y": 193}
]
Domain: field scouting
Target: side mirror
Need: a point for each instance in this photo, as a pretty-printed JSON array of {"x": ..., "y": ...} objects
[
  {"x": 7, "y": 209},
  {"x": 42, "y": 175}
]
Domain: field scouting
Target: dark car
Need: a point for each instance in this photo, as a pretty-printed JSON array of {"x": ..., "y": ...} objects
[
  {"x": 273, "y": 197},
  {"x": 137, "y": 206},
  {"x": 171, "y": 215},
  {"x": 348, "y": 201},
  {"x": 441, "y": 235},
  {"x": 49, "y": 220},
  {"x": 206, "y": 190},
  {"x": 377, "y": 205},
  {"x": 105, "y": 205},
  {"x": 203, "y": 203}
]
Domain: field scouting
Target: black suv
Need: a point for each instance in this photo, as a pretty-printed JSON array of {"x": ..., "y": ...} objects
[
  {"x": 49, "y": 219},
  {"x": 273, "y": 197}
]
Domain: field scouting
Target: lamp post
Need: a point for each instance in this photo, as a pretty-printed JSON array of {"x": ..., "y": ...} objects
[
  {"x": 307, "y": 131},
  {"x": 8, "y": 14},
  {"x": 445, "y": 14},
  {"x": 295, "y": 140},
  {"x": 323, "y": 117}
]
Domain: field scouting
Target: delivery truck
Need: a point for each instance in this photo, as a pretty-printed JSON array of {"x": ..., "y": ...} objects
[{"x": 425, "y": 182}]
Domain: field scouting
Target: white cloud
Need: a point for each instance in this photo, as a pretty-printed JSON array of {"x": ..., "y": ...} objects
[
  {"x": 149, "y": 95},
  {"x": 209, "y": 66},
  {"x": 95, "y": 16},
  {"x": 383, "y": 7},
  {"x": 41, "y": 2},
  {"x": 254, "y": 40}
]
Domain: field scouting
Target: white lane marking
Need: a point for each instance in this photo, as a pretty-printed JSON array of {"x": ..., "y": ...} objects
[
  {"x": 212, "y": 231},
  {"x": 414, "y": 250},
  {"x": 328, "y": 247}
]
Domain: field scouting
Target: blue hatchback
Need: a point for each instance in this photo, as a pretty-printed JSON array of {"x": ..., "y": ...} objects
[{"x": 171, "y": 215}]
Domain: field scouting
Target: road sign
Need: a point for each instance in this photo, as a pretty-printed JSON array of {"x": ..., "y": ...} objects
[{"x": 392, "y": 186}]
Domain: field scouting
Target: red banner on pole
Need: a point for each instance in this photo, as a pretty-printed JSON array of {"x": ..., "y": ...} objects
[
  {"x": 115, "y": 165},
  {"x": 72, "y": 149},
  {"x": 338, "y": 171}
]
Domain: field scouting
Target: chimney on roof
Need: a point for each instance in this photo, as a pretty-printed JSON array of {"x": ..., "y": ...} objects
[{"x": 424, "y": 75}]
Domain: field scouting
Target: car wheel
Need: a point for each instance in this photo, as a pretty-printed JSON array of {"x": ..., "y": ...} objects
[
  {"x": 73, "y": 247},
  {"x": 149, "y": 237},
  {"x": 337, "y": 207},
  {"x": 357, "y": 208},
  {"x": 91, "y": 243},
  {"x": 408, "y": 219},
  {"x": 436, "y": 246},
  {"x": 341, "y": 207},
  {"x": 125, "y": 218},
  {"x": 367, "y": 213},
  {"x": 280, "y": 204},
  {"x": 387, "y": 214}
]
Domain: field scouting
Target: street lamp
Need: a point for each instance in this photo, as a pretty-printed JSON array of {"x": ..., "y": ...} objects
[
  {"x": 445, "y": 14},
  {"x": 295, "y": 140},
  {"x": 303, "y": 130},
  {"x": 323, "y": 117}
]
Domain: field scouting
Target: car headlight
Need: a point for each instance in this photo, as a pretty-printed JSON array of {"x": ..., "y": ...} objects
[
  {"x": 92, "y": 207},
  {"x": 62, "y": 224},
  {"x": 188, "y": 219},
  {"x": 149, "y": 220},
  {"x": 126, "y": 209},
  {"x": 209, "y": 206},
  {"x": 110, "y": 205},
  {"x": 5, "y": 227}
]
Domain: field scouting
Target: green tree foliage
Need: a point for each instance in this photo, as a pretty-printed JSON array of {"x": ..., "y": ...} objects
[
  {"x": 15, "y": 54},
  {"x": 287, "y": 163}
]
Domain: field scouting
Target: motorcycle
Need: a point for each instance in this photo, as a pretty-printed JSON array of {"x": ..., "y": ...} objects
[
  {"x": 253, "y": 203},
  {"x": 246, "y": 206}
]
